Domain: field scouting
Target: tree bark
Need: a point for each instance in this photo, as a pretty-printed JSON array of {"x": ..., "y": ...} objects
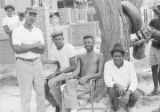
[{"x": 115, "y": 27}]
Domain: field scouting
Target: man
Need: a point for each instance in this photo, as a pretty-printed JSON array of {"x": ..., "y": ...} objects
[
  {"x": 64, "y": 56},
  {"x": 21, "y": 18},
  {"x": 10, "y": 22},
  {"x": 154, "y": 29},
  {"x": 120, "y": 79},
  {"x": 89, "y": 66},
  {"x": 28, "y": 44}
]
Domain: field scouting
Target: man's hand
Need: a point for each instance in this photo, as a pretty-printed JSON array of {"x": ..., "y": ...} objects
[
  {"x": 125, "y": 99},
  {"x": 83, "y": 80},
  {"x": 120, "y": 89},
  {"x": 53, "y": 75}
]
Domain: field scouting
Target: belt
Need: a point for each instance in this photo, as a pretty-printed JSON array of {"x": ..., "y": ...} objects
[{"x": 26, "y": 59}]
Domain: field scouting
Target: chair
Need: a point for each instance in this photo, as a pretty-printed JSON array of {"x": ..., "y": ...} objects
[{"x": 90, "y": 105}]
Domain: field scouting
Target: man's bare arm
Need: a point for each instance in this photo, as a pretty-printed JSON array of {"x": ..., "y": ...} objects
[
  {"x": 76, "y": 72},
  {"x": 7, "y": 30},
  {"x": 39, "y": 50},
  {"x": 154, "y": 31},
  {"x": 25, "y": 48},
  {"x": 71, "y": 68}
]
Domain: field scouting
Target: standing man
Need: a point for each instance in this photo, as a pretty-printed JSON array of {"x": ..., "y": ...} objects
[
  {"x": 28, "y": 44},
  {"x": 10, "y": 22},
  {"x": 89, "y": 66},
  {"x": 120, "y": 79},
  {"x": 64, "y": 56},
  {"x": 154, "y": 29}
]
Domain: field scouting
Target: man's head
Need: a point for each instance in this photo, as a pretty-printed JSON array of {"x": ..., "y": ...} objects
[
  {"x": 88, "y": 42},
  {"x": 9, "y": 9},
  {"x": 30, "y": 15},
  {"x": 117, "y": 54},
  {"x": 21, "y": 16},
  {"x": 58, "y": 39},
  {"x": 54, "y": 18}
]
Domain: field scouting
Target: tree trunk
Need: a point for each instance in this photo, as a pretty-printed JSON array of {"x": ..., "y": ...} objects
[{"x": 115, "y": 27}]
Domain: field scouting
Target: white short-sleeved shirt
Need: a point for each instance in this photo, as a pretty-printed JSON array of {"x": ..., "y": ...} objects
[
  {"x": 63, "y": 55},
  {"x": 11, "y": 22},
  {"x": 125, "y": 75},
  {"x": 21, "y": 35}
]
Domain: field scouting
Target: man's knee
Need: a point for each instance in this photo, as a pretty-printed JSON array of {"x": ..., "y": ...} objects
[
  {"x": 112, "y": 92},
  {"x": 72, "y": 82},
  {"x": 133, "y": 99},
  {"x": 52, "y": 83}
]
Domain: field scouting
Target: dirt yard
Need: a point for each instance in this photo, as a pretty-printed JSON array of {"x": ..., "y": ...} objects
[{"x": 10, "y": 96}]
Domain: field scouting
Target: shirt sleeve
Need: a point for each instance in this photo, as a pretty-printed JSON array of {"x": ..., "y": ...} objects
[
  {"x": 107, "y": 76},
  {"x": 133, "y": 79},
  {"x": 72, "y": 51},
  {"x": 4, "y": 22},
  {"x": 15, "y": 38}
]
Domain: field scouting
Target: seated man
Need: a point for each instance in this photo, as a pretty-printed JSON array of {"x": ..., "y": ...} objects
[
  {"x": 63, "y": 55},
  {"x": 121, "y": 80},
  {"x": 89, "y": 66}
]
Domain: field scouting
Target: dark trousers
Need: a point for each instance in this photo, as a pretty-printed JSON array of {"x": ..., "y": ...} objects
[
  {"x": 113, "y": 93},
  {"x": 50, "y": 97}
]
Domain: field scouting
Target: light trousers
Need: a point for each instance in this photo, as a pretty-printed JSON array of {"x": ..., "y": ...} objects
[{"x": 29, "y": 74}]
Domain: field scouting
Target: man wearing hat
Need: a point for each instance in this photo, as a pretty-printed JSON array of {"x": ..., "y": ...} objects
[
  {"x": 154, "y": 29},
  {"x": 64, "y": 55},
  {"x": 120, "y": 79},
  {"x": 10, "y": 22},
  {"x": 28, "y": 45}
]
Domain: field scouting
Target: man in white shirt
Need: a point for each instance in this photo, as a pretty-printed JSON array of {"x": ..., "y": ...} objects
[
  {"x": 28, "y": 45},
  {"x": 120, "y": 79},
  {"x": 64, "y": 55},
  {"x": 10, "y": 22}
]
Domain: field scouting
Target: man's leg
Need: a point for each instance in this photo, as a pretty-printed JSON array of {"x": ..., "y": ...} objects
[
  {"x": 70, "y": 100},
  {"x": 132, "y": 100},
  {"x": 155, "y": 79},
  {"x": 39, "y": 86},
  {"x": 50, "y": 97},
  {"x": 54, "y": 85},
  {"x": 113, "y": 96},
  {"x": 154, "y": 60},
  {"x": 25, "y": 78}
]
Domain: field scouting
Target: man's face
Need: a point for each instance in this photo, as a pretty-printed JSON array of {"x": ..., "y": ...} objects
[
  {"x": 88, "y": 44},
  {"x": 118, "y": 58},
  {"x": 54, "y": 19},
  {"x": 21, "y": 18},
  {"x": 9, "y": 12},
  {"x": 58, "y": 41},
  {"x": 30, "y": 17}
]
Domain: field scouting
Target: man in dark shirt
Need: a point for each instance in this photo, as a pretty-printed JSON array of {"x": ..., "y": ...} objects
[{"x": 154, "y": 29}]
